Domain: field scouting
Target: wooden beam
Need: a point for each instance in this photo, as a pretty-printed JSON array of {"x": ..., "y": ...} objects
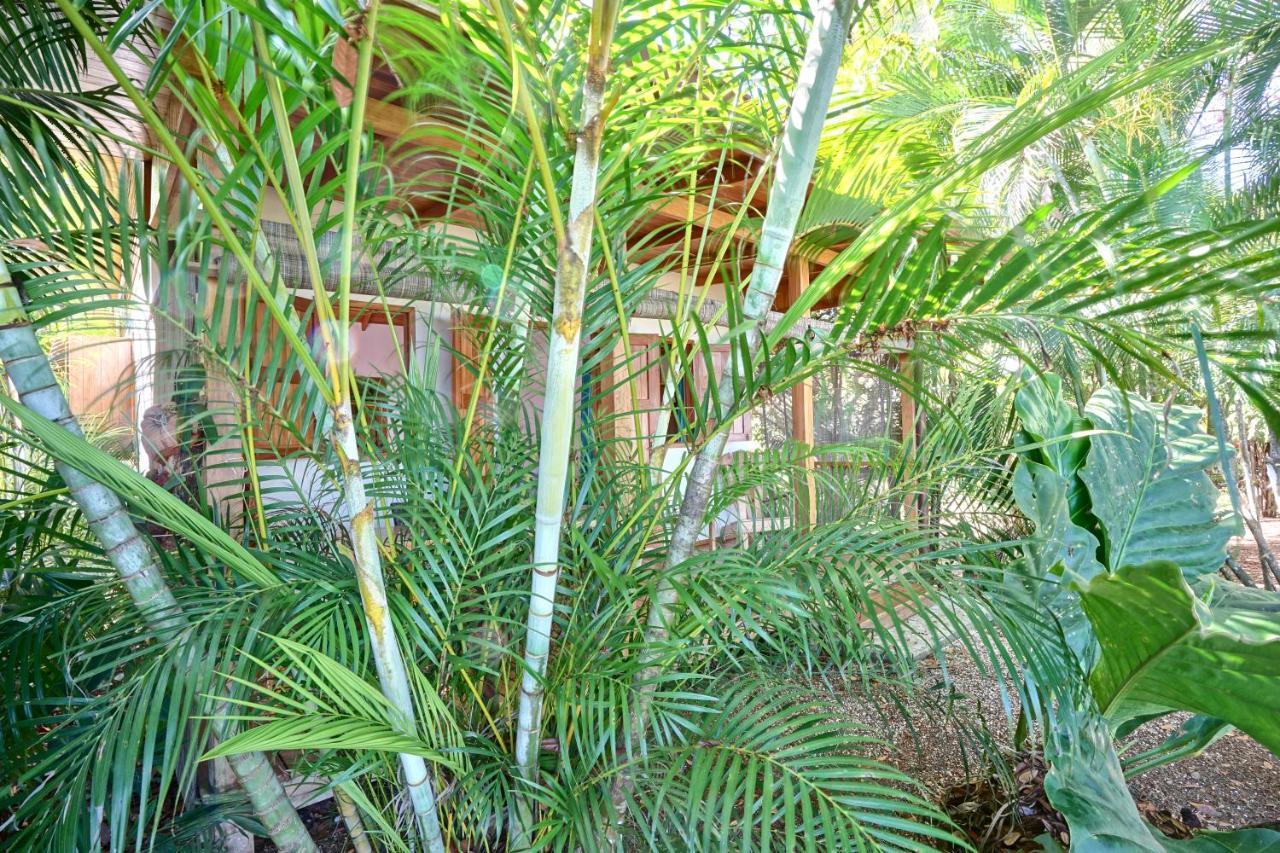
[
  {"x": 797, "y": 279},
  {"x": 679, "y": 209},
  {"x": 466, "y": 359}
]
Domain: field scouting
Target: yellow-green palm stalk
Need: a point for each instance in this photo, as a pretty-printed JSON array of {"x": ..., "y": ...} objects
[
  {"x": 388, "y": 660},
  {"x": 799, "y": 149},
  {"x": 130, "y": 554},
  {"x": 558, "y": 402}
]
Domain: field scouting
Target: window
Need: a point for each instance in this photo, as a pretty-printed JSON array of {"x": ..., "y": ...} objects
[
  {"x": 691, "y": 387},
  {"x": 381, "y": 340}
]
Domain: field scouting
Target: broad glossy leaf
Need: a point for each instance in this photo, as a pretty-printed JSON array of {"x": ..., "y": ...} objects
[
  {"x": 1149, "y": 490},
  {"x": 1048, "y": 490},
  {"x": 1163, "y": 649},
  {"x": 1061, "y": 553},
  {"x": 1086, "y": 784},
  {"x": 1047, "y": 486},
  {"x": 1045, "y": 417},
  {"x": 1042, "y": 495}
]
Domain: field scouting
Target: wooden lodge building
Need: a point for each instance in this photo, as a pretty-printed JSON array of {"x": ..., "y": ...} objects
[{"x": 117, "y": 379}]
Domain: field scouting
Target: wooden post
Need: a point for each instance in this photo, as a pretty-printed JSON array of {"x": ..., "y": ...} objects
[
  {"x": 797, "y": 281},
  {"x": 911, "y": 506},
  {"x": 615, "y": 407},
  {"x": 466, "y": 360}
]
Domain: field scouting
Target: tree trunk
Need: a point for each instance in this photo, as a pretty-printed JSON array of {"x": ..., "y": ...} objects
[
  {"x": 1272, "y": 463},
  {"x": 387, "y": 656},
  {"x": 354, "y": 823},
  {"x": 393, "y": 676},
  {"x": 1266, "y": 558},
  {"x": 786, "y": 198},
  {"x": 563, "y": 344},
  {"x": 130, "y": 554}
]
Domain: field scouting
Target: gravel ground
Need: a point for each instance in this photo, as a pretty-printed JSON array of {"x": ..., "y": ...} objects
[{"x": 1234, "y": 783}]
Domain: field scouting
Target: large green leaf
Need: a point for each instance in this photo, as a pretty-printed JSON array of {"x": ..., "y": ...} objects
[
  {"x": 1149, "y": 490},
  {"x": 1046, "y": 420},
  {"x": 1060, "y": 554},
  {"x": 325, "y": 731},
  {"x": 1086, "y": 784},
  {"x": 1048, "y": 490},
  {"x": 1047, "y": 486},
  {"x": 1163, "y": 650},
  {"x": 1043, "y": 495},
  {"x": 150, "y": 499}
]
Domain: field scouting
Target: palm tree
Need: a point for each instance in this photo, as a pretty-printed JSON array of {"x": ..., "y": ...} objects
[
  {"x": 355, "y": 570},
  {"x": 798, "y": 148},
  {"x": 574, "y": 238},
  {"x": 130, "y": 554}
]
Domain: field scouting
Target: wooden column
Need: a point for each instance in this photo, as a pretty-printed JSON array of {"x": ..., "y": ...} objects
[
  {"x": 911, "y": 507},
  {"x": 615, "y": 406},
  {"x": 797, "y": 281},
  {"x": 466, "y": 360}
]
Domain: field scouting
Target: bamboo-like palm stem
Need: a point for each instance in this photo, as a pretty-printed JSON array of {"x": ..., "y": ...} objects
[
  {"x": 355, "y": 824},
  {"x": 798, "y": 152},
  {"x": 130, "y": 554},
  {"x": 558, "y": 407},
  {"x": 388, "y": 660}
]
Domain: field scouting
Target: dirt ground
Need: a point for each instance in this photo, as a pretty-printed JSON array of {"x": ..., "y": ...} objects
[
  {"x": 1234, "y": 783},
  {"x": 323, "y": 825},
  {"x": 1245, "y": 549}
]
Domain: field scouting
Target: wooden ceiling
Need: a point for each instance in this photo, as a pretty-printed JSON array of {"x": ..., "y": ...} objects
[{"x": 423, "y": 157}]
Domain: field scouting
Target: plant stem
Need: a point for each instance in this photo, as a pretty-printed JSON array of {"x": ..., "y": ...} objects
[
  {"x": 798, "y": 149},
  {"x": 564, "y": 343},
  {"x": 1266, "y": 557},
  {"x": 130, "y": 554},
  {"x": 1224, "y": 456},
  {"x": 354, "y": 823},
  {"x": 388, "y": 660}
]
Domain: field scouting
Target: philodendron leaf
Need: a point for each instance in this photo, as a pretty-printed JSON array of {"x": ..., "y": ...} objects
[
  {"x": 1165, "y": 650},
  {"x": 1194, "y": 736},
  {"x": 1060, "y": 554},
  {"x": 1047, "y": 486},
  {"x": 1048, "y": 490},
  {"x": 1148, "y": 486},
  {"x": 1041, "y": 493},
  {"x": 1048, "y": 421},
  {"x": 1086, "y": 785}
]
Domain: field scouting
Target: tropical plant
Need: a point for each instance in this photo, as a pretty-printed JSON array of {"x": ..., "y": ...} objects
[
  {"x": 486, "y": 627},
  {"x": 1127, "y": 542},
  {"x": 130, "y": 555}
]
